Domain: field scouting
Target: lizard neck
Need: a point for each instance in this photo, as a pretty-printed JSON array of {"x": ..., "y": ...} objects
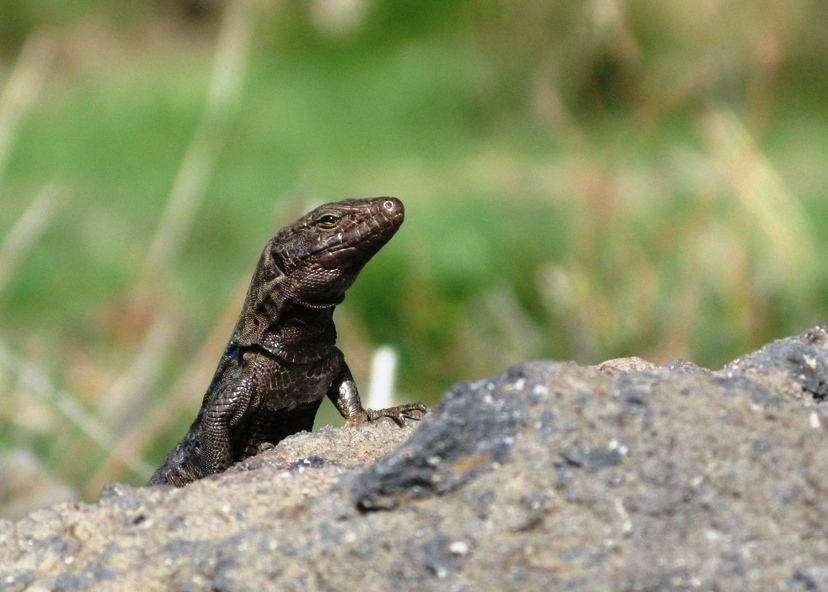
[
  {"x": 304, "y": 334},
  {"x": 292, "y": 296}
]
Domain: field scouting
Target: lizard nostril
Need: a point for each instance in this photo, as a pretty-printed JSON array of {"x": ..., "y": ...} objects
[{"x": 393, "y": 206}]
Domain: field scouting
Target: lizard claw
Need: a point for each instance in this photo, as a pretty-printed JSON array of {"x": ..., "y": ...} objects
[
  {"x": 264, "y": 446},
  {"x": 399, "y": 413}
]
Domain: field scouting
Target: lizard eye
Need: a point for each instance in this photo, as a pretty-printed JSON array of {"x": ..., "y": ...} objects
[{"x": 327, "y": 221}]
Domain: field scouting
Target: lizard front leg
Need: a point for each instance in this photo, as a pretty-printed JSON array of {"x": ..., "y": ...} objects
[
  {"x": 234, "y": 402},
  {"x": 344, "y": 395}
]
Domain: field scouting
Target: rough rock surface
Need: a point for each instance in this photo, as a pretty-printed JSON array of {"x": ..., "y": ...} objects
[{"x": 550, "y": 476}]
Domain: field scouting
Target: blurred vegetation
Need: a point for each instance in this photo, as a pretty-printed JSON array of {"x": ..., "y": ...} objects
[{"x": 583, "y": 180}]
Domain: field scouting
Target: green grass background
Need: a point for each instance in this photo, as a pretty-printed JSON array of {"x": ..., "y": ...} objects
[{"x": 583, "y": 180}]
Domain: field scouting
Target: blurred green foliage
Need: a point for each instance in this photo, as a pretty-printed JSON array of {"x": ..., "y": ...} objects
[{"x": 582, "y": 180}]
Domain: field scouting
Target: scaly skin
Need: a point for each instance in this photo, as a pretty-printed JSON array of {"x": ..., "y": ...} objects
[{"x": 282, "y": 360}]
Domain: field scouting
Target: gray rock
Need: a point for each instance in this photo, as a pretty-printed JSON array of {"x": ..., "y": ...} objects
[{"x": 625, "y": 476}]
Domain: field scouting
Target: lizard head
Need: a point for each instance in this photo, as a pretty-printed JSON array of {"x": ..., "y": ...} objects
[{"x": 315, "y": 259}]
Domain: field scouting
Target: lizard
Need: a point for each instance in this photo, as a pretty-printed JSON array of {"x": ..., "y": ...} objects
[{"x": 281, "y": 360}]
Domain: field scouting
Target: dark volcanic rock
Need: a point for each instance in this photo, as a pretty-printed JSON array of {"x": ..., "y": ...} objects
[
  {"x": 796, "y": 365},
  {"x": 626, "y": 476},
  {"x": 469, "y": 431}
]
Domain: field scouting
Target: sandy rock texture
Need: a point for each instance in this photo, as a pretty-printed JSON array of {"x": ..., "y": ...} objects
[{"x": 550, "y": 476}]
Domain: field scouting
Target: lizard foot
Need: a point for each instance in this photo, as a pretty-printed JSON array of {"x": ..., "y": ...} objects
[
  {"x": 264, "y": 447},
  {"x": 399, "y": 414}
]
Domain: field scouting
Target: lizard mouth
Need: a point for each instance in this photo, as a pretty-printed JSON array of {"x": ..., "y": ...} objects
[
  {"x": 352, "y": 233},
  {"x": 364, "y": 240}
]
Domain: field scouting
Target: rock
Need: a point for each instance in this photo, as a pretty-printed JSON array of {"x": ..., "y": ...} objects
[{"x": 550, "y": 476}]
